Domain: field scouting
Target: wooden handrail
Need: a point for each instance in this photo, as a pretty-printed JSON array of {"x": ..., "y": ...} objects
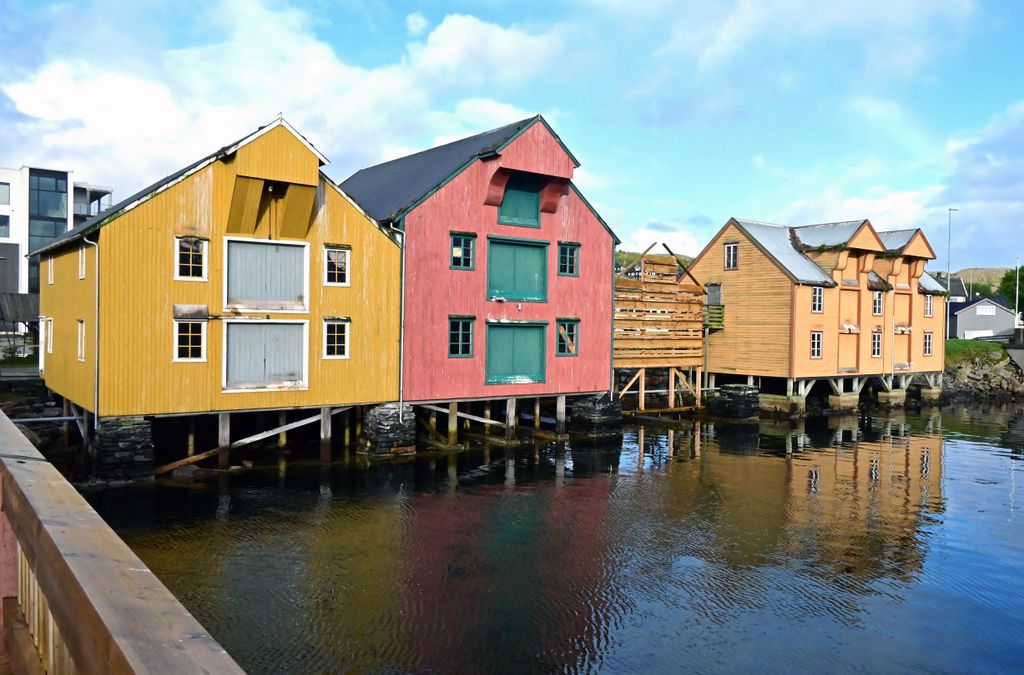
[{"x": 99, "y": 601}]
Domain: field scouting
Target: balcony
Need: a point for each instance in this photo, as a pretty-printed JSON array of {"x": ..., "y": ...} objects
[{"x": 714, "y": 317}]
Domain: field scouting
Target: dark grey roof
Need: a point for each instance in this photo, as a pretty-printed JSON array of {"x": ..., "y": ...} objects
[
  {"x": 998, "y": 301},
  {"x": 827, "y": 234},
  {"x": 775, "y": 240},
  {"x": 387, "y": 189},
  {"x": 15, "y": 307}
]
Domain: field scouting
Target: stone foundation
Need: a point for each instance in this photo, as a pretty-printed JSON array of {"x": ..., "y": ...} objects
[
  {"x": 931, "y": 393},
  {"x": 780, "y": 403},
  {"x": 383, "y": 434},
  {"x": 896, "y": 398},
  {"x": 598, "y": 413},
  {"x": 122, "y": 450},
  {"x": 846, "y": 401},
  {"x": 737, "y": 402}
]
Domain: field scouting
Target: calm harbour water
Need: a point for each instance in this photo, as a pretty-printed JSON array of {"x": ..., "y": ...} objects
[{"x": 835, "y": 546}]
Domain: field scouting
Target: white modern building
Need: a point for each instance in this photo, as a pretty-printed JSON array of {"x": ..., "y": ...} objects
[{"x": 37, "y": 205}]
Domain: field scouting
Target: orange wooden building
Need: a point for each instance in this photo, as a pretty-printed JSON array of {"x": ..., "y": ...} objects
[{"x": 837, "y": 305}]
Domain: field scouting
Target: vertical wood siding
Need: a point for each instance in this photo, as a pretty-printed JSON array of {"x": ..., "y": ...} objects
[{"x": 67, "y": 300}]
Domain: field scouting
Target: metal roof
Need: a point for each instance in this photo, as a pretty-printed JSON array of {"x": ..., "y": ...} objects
[
  {"x": 927, "y": 284},
  {"x": 895, "y": 240},
  {"x": 957, "y": 307},
  {"x": 827, "y": 234},
  {"x": 776, "y": 242},
  {"x": 388, "y": 189}
]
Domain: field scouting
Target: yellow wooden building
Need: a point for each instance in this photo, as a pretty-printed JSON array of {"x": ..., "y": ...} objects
[
  {"x": 835, "y": 303},
  {"x": 245, "y": 281}
]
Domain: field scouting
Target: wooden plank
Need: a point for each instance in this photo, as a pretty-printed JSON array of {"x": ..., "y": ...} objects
[
  {"x": 481, "y": 420},
  {"x": 18, "y": 643}
]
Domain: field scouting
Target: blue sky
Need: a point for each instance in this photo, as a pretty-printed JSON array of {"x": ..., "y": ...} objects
[{"x": 682, "y": 114}]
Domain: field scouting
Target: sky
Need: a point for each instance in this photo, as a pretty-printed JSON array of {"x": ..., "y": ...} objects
[{"x": 682, "y": 114}]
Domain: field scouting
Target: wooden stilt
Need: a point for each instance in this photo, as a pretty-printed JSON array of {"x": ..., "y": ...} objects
[
  {"x": 671, "y": 442},
  {"x": 282, "y": 437},
  {"x": 432, "y": 421},
  {"x": 325, "y": 434},
  {"x": 536, "y": 413},
  {"x": 700, "y": 385},
  {"x": 510, "y": 418},
  {"x": 643, "y": 388},
  {"x": 560, "y": 414},
  {"x": 224, "y": 441},
  {"x": 487, "y": 416},
  {"x": 671, "y": 387},
  {"x": 453, "y": 423},
  {"x": 191, "y": 436},
  {"x": 346, "y": 425},
  {"x": 359, "y": 421},
  {"x": 66, "y": 433}
]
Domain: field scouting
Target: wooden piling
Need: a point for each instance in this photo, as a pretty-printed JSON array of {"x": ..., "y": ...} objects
[
  {"x": 359, "y": 421},
  {"x": 510, "y": 418},
  {"x": 346, "y": 425},
  {"x": 453, "y": 423},
  {"x": 643, "y": 388},
  {"x": 66, "y": 408},
  {"x": 671, "y": 387},
  {"x": 325, "y": 434},
  {"x": 191, "y": 436},
  {"x": 487, "y": 416},
  {"x": 560, "y": 414},
  {"x": 282, "y": 437},
  {"x": 224, "y": 441},
  {"x": 536, "y": 413}
]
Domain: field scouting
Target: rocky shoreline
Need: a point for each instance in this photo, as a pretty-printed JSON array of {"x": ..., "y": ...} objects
[{"x": 984, "y": 377}]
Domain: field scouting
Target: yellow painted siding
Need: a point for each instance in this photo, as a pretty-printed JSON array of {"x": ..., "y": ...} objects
[
  {"x": 277, "y": 155},
  {"x": 67, "y": 300},
  {"x": 756, "y": 297}
]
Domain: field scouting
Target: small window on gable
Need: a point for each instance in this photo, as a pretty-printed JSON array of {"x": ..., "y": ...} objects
[
  {"x": 460, "y": 337},
  {"x": 81, "y": 261},
  {"x": 878, "y": 303},
  {"x": 81, "y": 340},
  {"x": 732, "y": 256},
  {"x": 568, "y": 337},
  {"x": 189, "y": 341},
  {"x": 817, "y": 299},
  {"x": 190, "y": 258},
  {"x": 463, "y": 251},
  {"x": 336, "y": 265},
  {"x": 568, "y": 259},
  {"x": 336, "y": 338},
  {"x": 521, "y": 203}
]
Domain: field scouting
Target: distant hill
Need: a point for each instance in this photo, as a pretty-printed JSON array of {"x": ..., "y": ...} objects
[{"x": 983, "y": 275}]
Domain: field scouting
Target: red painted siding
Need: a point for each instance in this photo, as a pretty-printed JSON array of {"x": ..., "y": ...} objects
[{"x": 433, "y": 291}]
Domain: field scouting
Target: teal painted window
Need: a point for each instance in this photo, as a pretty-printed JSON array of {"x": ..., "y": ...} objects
[
  {"x": 460, "y": 337},
  {"x": 463, "y": 251},
  {"x": 568, "y": 336},
  {"x": 521, "y": 203},
  {"x": 568, "y": 260},
  {"x": 515, "y": 353},
  {"x": 517, "y": 270}
]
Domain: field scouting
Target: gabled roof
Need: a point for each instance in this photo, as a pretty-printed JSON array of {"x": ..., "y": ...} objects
[
  {"x": 929, "y": 286},
  {"x": 999, "y": 302},
  {"x": 895, "y": 240},
  {"x": 387, "y": 191},
  {"x": 775, "y": 241},
  {"x": 827, "y": 234},
  {"x": 125, "y": 205},
  {"x": 910, "y": 242}
]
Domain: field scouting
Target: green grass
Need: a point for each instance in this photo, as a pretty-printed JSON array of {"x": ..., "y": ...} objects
[
  {"x": 24, "y": 362},
  {"x": 960, "y": 351}
]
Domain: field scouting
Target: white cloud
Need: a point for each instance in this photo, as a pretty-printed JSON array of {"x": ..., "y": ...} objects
[
  {"x": 416, "y": 23},
  {"x": 679, "y": 237},
  {"x": 758, "y": 161},
  {"x": 129, "y": 122}
]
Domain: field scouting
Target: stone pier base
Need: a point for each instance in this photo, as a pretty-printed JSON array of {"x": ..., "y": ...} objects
[
  {"x": 122, "y": 450},
  {"x": 783, "y": 404},
  {"x": 931, "y": 393},
  {"x": 384, "y": 434},
  {"x": 846, "y": 401},
  {"x": 892, "y": 399},
  {"x": 599, "y": 413}
]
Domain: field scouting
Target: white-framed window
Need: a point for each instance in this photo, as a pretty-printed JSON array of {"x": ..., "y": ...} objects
[
  {"x": 336, "y": 265},
  {"x": 815, "y": 344},
  {"x": 877, "y": 303},
  {"x": 81, "y": 261},
  {"x": 876, "y": 344},
  {"x": 190, "y": 256},
  {"x": 49, "y": 270},
  {"x": 49, "y": 335},
  {"x": 817, "y": 299},
  {"x": 336, "y": 338},
  {"x": 732, "y": 256},
  {"x": 928, "y": 305},
  {"x": 81, "y": 339},
  {"x": 262, "y": 275},
  {"x": 189, "y": 340},
  {"x": 928, "y": 342}
]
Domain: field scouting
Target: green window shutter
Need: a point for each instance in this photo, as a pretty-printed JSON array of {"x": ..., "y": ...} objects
[
  {"x": 521, "y": 203},
  {"x": 515, "y": 353},
  {"x": 517, "y": 271}
]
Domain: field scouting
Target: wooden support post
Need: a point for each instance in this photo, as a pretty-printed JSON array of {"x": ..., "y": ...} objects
[
  {"x": 66, "y": 409},
  {"x": 453, "y": 423},
  {"x": 432, "y": 421},
  {"x": 345, "y": 424},
  {"x": 536, "y": 413},
  {"x": 282, "y": 437},
  {"x": 699, "y": 385},
  {"x": 789, "y": 387},
  {"x": 750, "y": 380},
  {"x": 224, "y": 441},
  {"x": 560, "y": 414},
  {"x": 325, "y": 434},
  {"x": 643, "y": 389},
  {"x": 359, "y": 421},
  {"x": 487, "y": 416},
  {"x": 191, "y": 435},
  {"x": 671, "y": 387},
  {"x": 510, "y": 418}
]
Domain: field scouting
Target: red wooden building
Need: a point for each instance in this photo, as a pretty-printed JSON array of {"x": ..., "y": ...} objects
[{"x": 507, "y": 273}]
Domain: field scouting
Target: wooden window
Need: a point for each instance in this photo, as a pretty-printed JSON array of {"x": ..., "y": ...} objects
[
  {"x": 817, "y": 299},
  {"x": 521, "y": 202},
  {"x": 336, "y": 339},
  {"x": 568, "y": 337},
  {"x": 190, "y": 258},
  {"x": 515, "y": 353},
  {"x": 928, "y": 342},
  {"x": 81, "y": 340},
  {"x": 49, "y": 335},
  {"x": 463, "y": 251},
  {"x": 876, "y": 344},
  {"x": 81, "y": 261},
  {"x": 815, "y": 344},
  {"x": 189, "y": 341},
  {"x": 732, "y": 256},
  {"x": 568, "y": 259},
  {"x": 878, "y": 303},
  {"x": 49, "y": 270},
  {"x": 336, "y": 266},
  {"x": 928, "y": 305},
  {"x": 460, "y": 337},
  {"x": 517, "y": 270}
]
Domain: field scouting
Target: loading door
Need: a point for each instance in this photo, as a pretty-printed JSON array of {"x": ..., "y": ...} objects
[{"x": 515, "y": 353}]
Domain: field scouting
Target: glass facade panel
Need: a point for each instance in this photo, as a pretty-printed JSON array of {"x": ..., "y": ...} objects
[{"x": 47, "y": 213}]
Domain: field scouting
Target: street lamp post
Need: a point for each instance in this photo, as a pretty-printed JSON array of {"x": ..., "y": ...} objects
[{"x": 949, "y": 255}]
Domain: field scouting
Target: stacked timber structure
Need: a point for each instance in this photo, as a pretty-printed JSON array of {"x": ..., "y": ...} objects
[
  {"x": 246, "y": 281},
  {"x": 659, "y": 324},
  {"x": 838, "y": 305},
  {"x": 506, "y": 276}
]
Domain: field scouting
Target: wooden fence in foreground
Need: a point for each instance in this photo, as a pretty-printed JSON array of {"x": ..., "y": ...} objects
[{"x": 74, "y": 596}]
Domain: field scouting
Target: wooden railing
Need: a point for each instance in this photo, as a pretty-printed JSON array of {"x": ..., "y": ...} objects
[
  {"x": 714, "y": 317},
  {"x": 75, "y": 598}
]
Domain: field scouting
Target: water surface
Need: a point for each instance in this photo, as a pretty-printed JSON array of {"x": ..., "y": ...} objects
[{"x": 850, "y": 546}]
